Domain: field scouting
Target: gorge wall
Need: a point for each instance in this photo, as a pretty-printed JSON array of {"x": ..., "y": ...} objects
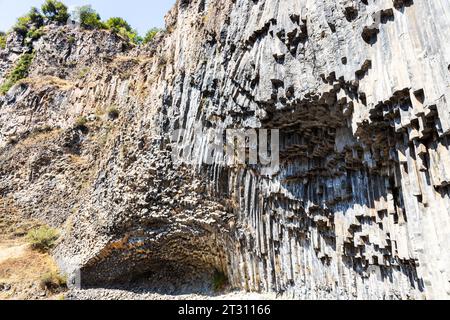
[{"x": 359, "y": 90}]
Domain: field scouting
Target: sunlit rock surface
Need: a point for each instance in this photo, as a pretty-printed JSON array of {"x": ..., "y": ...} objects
[{"x": 359, "y": 90}]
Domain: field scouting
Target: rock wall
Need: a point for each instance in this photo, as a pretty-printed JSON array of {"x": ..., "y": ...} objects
[{"x": 359, "y": 91}]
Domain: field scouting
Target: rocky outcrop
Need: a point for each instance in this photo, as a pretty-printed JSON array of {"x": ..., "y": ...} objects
[{"x": 358, "y": 89}]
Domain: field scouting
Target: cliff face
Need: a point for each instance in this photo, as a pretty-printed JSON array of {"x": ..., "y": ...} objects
[{"x": 359, "y": 91}]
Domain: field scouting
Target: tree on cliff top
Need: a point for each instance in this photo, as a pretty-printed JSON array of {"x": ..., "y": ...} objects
[
  {"x": 117, "y": 23},
  {"x": 88, "y": 18},
  {"x": 33, "y": 18},
  {"x": 150, "y": 35},
  {"x": 122, "y": 28},
  {"x": 55, "y": 11}
]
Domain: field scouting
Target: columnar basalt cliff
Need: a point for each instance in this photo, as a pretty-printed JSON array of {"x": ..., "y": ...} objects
[{"x": 359, "y": 90}]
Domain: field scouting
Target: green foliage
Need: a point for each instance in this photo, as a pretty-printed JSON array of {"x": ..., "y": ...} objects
[
  {"x": 71, "y": 39},
  {"x": 2, "y": 40},
  {"x": 219, "y": 280},
  {"x": 122, "y": 28},
  {"x": 53, "y": 282},
  {"x": 19, "y": 72},
  {"x": 150, "y": 35},
  {"x": 32, "y": 18},
  {"x": 35, "y": 33},
  {"x": 43, "y": 239},
  {"x": 55, "y": 11},
  {"x": 88, "y": 18},
  {"x": 117, "y": 23},
  {"x": 21, "y": 26},
  {"x": 35, "y": 17}
]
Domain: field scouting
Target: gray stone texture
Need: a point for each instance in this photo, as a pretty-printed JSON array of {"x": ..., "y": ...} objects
[{"x": 359, "y": 90}]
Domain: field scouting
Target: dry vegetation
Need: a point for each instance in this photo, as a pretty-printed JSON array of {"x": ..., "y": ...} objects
[
  {"x": 40, "y": 82},
  {"x": 25, "y": 272}
]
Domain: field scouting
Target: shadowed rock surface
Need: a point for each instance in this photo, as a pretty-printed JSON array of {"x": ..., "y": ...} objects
[{"x": 359, "y": 90}]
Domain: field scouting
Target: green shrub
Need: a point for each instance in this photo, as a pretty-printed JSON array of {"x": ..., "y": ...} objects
[
  {"x": 219, "y": 280},
  {"x": 35, "y": 17},
  {"x": 42, "y": 239},
  {"x": 21, "y": 26},
  {"x": 19, "y": 72},
  {"x": 55, "y": 11},
  {"x": 71, "y": 39},
  {"x": 53, "y": 282},
  {"x": 117, "y": 23},
  {"x": 32, "y": 18},
  {"x": 35, "y": 33},
  {"x": 150, "y": 35},
  {"x": 122, "y": 28},
  {"x": 2, "y": 40},
  {"x": 4, "y": 88},
  {"x": 88, "y": 18}
]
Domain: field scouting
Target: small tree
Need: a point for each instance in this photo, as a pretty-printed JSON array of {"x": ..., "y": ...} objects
[
  {"x": 122, "y": 28},
  {"x": 117, "y": 23},
  {"x": 19, "y": 72},
  {"x": 88, "y": 18},
  {"x": 32, "y": 19},
  {"x": 55, "y": 11},
  {"x": 36, "y": 17},
  {"x": 150, "y": 35}
]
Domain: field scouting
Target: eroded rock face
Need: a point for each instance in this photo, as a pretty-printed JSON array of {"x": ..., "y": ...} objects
[{"x": 359, "y": 91}]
